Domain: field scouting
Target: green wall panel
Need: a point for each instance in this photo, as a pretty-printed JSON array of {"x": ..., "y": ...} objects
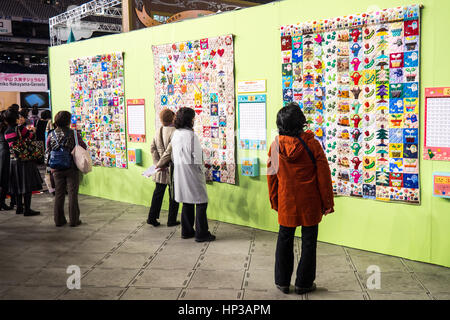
[{"x": 417, "y": 232}]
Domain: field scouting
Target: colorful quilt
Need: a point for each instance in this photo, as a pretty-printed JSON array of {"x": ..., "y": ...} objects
[
  {"x": 98, "y": 108},
  {"x": 356, "y": 78},
  {"x": 199, "y": 74}
]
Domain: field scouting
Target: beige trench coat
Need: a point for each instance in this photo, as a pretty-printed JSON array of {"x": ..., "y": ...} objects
[{"x": 159, "y": 147}]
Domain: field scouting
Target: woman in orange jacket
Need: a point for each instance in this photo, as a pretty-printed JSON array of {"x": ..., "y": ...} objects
[{"x": 301, "y": 190}]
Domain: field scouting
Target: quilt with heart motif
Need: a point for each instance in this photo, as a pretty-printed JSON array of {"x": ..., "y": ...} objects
[{"x": 199, "y": 74}]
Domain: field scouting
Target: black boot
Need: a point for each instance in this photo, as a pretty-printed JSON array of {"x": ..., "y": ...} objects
[
  {"x": 19, "y": 203},
  {"x": 27, "y": 200}
]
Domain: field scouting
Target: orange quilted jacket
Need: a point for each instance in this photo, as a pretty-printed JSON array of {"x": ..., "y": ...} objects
[{"x": 298, "y": 190}]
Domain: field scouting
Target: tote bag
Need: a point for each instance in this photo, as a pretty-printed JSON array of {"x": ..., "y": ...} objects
[
  {"x": 81, "y": 156},
  {"x": 26, "y": 149}
]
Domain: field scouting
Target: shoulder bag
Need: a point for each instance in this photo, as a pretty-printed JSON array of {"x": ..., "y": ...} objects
[{"x": 81, "y": 156}]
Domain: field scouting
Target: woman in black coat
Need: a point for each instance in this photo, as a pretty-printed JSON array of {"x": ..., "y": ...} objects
[
  {"x": 24, "y": 174},
  {"x": 4, "y": 164}
]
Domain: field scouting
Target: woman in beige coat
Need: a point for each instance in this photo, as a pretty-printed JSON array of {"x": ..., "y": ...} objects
[{"x": 161, "y": 155}]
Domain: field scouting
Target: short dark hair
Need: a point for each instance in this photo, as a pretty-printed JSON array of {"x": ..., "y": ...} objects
[
  {"x": 62, "y": 119},
  {"x": 14, "y": 107},
  {"x": 24, "y": 112},
  {"x": 183, "y": 118},
  {"x": 35, "y": 110},
  {"x": 11, "y": 116},
  {"x": 290, "y": 120},
  {"x": 46, "y": 114}
]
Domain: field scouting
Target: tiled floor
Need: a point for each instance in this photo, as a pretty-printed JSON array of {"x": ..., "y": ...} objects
[{"x": 121, "y": 257}]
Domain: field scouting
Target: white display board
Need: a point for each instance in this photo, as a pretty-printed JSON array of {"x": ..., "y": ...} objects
[
  {"x": 252, "y": 121},
  {"x": 136, "y": 120},
  {"x": 438, "y": 122}
]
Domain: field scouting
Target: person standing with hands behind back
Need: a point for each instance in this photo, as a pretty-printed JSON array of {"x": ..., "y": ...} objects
[
  {"x": 161, "y": 154},
  {"x": 300, "y": 189}
]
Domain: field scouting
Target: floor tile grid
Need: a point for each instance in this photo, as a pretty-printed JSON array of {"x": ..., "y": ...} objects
[
  {"x": 355, "y": 272},
  {"x": 56, "y": 254},
  {"x": 36, "y": 270},
  {"x": 44, "y": 266},
  {"x": 251, "y": 254},
  {"x": 414, "y": 276},
  {"x": 364, "y": 287},
  {"x": 202, "y": 254},
  {"x": 145, "y": 265},
  {"x": 297, "y": 246},
  {"x": 241, "y": 294},
  {"x": 3, "y": 220},
  {"x": 246, "y": 275},
  {"x": 252, "y": 242},
  {"x": 424, "y": 285},
  {"x": 107, "y": 254},
  {"x": 97, "y": 230}
]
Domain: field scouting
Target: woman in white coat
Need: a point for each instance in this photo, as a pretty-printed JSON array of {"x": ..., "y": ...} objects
[{"x": 189, "y": 177}]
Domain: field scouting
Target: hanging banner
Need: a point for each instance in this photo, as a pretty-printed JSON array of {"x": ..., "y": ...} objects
[
  {"x": 356, "y": 78},
  {"x": 199, "y": 74},
  {"x": 98, "y": 107},
  {"x": 23, "y": 82}
]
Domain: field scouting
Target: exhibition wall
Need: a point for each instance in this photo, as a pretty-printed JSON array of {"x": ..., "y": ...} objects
[
  {"x": 413, "y": 231},
  {"x": 7, "y": 98}
]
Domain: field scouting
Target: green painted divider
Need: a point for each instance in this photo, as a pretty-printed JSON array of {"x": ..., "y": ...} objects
[{"x": 417, "y": 232}]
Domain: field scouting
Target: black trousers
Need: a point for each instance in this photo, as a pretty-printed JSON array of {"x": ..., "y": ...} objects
[
  {"x": 201, "y": 222},
  {"x": 26, "y": 197},
  {"x": 157, "y": 200},
  {"x": 284, "y": 257},
  {"x": 66, "y": 180}
]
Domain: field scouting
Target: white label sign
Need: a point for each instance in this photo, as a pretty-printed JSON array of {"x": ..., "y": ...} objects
[
  {"x": 251, "y": 86},
  {"x": 136, "y": 119},
  {"x": 23, "y": 82}
]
